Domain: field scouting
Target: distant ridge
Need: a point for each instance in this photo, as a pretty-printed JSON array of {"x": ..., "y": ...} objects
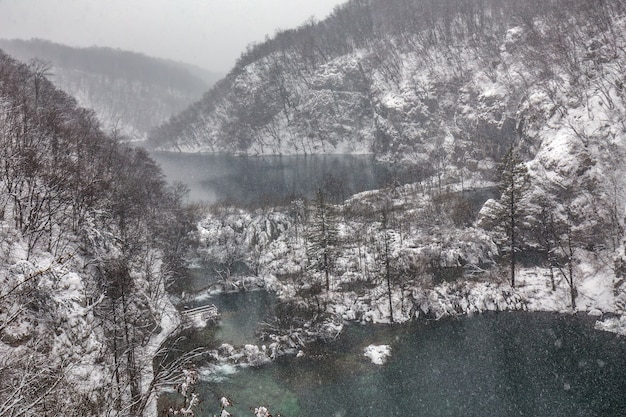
[{"x": 130, "y": 92}]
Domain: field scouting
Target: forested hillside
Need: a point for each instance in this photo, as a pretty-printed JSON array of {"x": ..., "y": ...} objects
[
  {"x": 526, "y": 97},
  {"x": 524, "y": 101},
  {"x": 90, "y": 235},
  {"x": 447, "y": 82},
  {"x": 131, "y": 93}
]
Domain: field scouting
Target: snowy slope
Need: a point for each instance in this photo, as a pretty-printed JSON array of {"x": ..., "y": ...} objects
[
  {"x": 399, "y": 94},
  {"x": 453, "y": 94},
  {"x": 83, "y": 306}
]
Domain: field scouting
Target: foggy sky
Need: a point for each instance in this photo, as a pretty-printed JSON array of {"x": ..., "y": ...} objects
[{"x": 208, "y": 33}]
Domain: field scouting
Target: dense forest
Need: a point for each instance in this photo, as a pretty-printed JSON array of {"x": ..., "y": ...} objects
[
  {"x": 90, "y": 237},
  {"x": 398, "y": 78},
  {"x": 511, "y": 113},
  {"x": 523, "y": 98},
  {"x": 131, "y": 93}
]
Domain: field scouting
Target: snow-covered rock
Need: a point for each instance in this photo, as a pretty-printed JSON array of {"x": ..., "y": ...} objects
[
  {"x": 378, "y": 354},
  {"x": 612, "y": 324}
]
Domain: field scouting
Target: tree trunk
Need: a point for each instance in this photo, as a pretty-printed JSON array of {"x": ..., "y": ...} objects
[
  {"x": 512, "y": 213},
  {"x": 131, "y": 365},
  {"x": 387, "y": 255}
]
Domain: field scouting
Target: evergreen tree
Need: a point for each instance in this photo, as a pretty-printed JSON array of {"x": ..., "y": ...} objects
[
  {"x": 323, "y": 238},
  {"x": 514, "y": 184}
]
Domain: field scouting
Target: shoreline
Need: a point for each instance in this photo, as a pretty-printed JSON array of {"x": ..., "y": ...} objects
[{"x": 443, "y": 301}]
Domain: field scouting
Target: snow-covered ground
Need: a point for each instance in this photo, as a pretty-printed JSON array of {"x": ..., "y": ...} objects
[
  {"x": 68, "y": 326},
  {"x": 569, "y": 130},
  {"x": 268, "y": 241}
]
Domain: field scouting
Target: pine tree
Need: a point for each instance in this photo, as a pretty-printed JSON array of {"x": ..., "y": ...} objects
[
  {"x": 322, "y": 238},
  {"x": 514, "y": 184}
]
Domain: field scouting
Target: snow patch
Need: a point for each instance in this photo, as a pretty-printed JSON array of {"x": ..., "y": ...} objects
[
  {"x": 218, "y": 372},
  {"x": 378, "y": 354},
  {"x": 613, "y": 325}
]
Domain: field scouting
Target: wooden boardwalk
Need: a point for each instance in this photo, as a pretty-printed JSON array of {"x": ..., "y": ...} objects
[{"x": 203, "y": 313}]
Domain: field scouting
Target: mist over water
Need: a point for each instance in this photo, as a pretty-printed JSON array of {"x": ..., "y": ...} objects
[{"x": 279, "y": 179}]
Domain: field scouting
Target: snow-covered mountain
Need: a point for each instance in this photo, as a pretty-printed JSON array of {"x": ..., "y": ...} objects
[
  {"x": 445, "y": 84},
  {"x": 131, "y": 93},
  {"x": 461, "y": 89}
]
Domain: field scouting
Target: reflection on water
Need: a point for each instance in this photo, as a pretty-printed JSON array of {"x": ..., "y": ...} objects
[
  {"x": 505, "y": 364},
  {"x": 242, "y": 313},
  {"x": 495, "y": 364},
  {"x": 272, "y": 179},
  {"x": 241, "y": 316}
]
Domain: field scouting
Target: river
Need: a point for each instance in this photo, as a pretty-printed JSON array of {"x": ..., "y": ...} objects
[{"x": 495, "y": 364}]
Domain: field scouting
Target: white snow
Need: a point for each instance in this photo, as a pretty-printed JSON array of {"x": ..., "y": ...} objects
[
  {"x": 378, "y": 354},
  {"x": 261, "y": 412},
  {"x": 568, "y": 129},
  {"x": 613, "y": 324},
  {"x": 218, "y": 372}
]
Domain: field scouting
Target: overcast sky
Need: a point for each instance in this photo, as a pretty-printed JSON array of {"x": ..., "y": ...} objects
[{"x": 209, "y": 33}]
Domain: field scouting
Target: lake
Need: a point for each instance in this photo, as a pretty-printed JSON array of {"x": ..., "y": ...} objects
[
  {"x": 494, "y": 364},
  {"x": 277, "y": 179}
]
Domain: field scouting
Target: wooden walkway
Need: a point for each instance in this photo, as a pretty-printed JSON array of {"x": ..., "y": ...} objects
[{"x": 204, "y": 313}]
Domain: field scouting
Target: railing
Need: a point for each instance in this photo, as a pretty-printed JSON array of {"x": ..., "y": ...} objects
[{"x": 204, "y": 313}]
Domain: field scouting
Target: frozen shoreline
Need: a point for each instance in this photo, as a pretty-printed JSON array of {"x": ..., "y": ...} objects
[{"x": 462, "y": 298}]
